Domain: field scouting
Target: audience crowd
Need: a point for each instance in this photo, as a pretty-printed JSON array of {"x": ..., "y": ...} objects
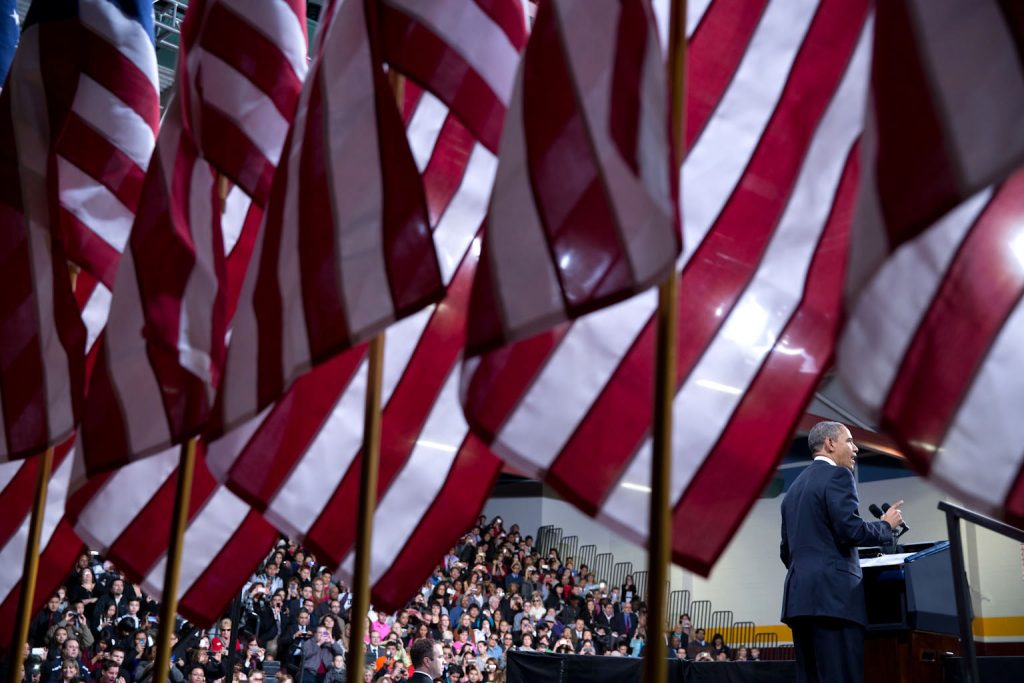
[{"x": 493, "y": 593}]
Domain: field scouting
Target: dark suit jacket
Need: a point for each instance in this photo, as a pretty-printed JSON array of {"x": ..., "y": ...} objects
[
  {"x": 619, "y": 625},
  {"x": 821, "y": 530}
]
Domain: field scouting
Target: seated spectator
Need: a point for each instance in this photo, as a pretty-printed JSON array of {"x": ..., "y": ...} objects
[
  {"x": 697, "y": 645},
  {"x": 718, "y": 647},
  {"x": 337, "y": 672},
  {"x": 44, "y": 621},
  {"x": 69, "y": 671},
  {"x": 318, "y": 655},
  {"x": 741, "y": 654}
]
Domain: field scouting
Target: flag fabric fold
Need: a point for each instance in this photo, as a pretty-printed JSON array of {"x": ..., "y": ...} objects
[
  {"x": 775, "y": 97},
  {"x": 583, "y": 211},
  {"x": 41, "y": 336},
  {"x": 947, "y": 96},
  {"x": 346, "y": 248},
  {"x": 106, "y": 142},
  {"x": 126, "y": 515},
  {"x": 242, "y": 77},
  {"x": 465, "y": 52},
  {"x": 933, "y": 350},
  {"x": 58, "y": 545},
  {"x": 162, "y": 355},
  {"x": 299, "y": 461}
]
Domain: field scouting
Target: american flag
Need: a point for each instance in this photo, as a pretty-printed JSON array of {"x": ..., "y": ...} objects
[
  {"x": 216, "y": 562},
  {"x": 947, "y": 97},
  {"x": 107, "y": 139},
  {"x": 161, "y": 358},
  {"x": 41, "y": 336},
  {"x": 775, "y": 99},
  {"x": 932, "y": 350},
  {"x": 346, "y": 248},
  {"x": 127, "y": 514},
  {"x": 583, "y": 211},
  {"x": 299, "y": 461},
  {"x": 9, "y": 29},
  {"x": 465, "y": 52},
  {"x": 242, "y": 76},
  {"x": 58, "y": 544}
]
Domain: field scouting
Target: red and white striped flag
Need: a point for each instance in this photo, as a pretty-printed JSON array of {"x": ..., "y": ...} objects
[
  {"x": 58, "y": 545},
  {"x": 241, "y": 77},
  {"x": 776, "y": 92},
  {"x": 162, "y": 355},
  {"x": 127, "y": 514},
  {"x": 106, "y": 142},
  {"x": 932, "y": 350},
  {"x": 947, "y": 98},
  {"x": 583, "y": 212},
  {"x": 465, "y": 52},
  {"x": 41, "y": 336},
  {"x": 299, "y": 462},
  {"x": 215, "y": 565},
  {"x": 346, "y": 248}
]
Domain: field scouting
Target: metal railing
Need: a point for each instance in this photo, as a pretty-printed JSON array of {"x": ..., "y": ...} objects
[
  {"x": 742, "y": 634},
  {"x": 543, "y": 536},
  {"x": 640, "y": 579},
  {"x": 955, "y": 513},
  {"x": 603, "y": 566},
  {"x": 678, "y": 605},
  {"x": 720, "y": 622},
  {"x": 700, "y": 613},
  {"x": 619, "y": 572},
  {"x": 586, "y": 555},
  {"x": 567, "y": 549},
  {"x": 767, "y": 643}
]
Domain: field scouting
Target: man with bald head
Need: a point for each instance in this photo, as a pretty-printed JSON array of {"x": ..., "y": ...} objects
[{"x": 823, "y": 599}]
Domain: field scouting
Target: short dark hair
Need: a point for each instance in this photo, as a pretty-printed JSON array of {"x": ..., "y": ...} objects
[
  {"x": 420, "y": 650},
  {"x": 821, "y": 431},
  {"x": 109, "y": 664}
]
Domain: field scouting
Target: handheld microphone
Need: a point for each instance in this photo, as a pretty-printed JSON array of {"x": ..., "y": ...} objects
[
  {"x": 903, "y": 525},
  {"x": 875, "y": 510}
]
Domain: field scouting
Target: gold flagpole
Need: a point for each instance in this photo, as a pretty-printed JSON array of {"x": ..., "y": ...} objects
[
  {"x": 660, "y": 518},
  {"x": 367, "y": 505},
  {"x": 31, "y": 567},
  {"x": 367, "y": 487},
  {"x": 176, "y": 544}
]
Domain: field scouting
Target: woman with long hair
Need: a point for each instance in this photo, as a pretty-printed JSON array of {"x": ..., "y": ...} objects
[
  {"x": 331, "y": 624},
  {"x": 86, "y": 590},
  {"x": 638, "y": 641},
  {"x": 69, "y": 671},
  {"x": 628, "y": 591},
  {"x": 719, "y": 647}
]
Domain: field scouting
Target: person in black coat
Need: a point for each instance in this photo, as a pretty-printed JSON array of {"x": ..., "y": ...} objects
[
  {"x": 823, "y": 599},
  {"x": 625, "y": 622}
]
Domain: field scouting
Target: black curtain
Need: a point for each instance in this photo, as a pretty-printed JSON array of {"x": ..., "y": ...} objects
[{"x": 532, "y": 667}]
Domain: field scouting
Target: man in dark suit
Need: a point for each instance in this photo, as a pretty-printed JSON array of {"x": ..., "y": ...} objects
[
  {"x": 823, "y": 601},
  {"x": 624, "y": 623},
  {"x": 427, "y": 660}
]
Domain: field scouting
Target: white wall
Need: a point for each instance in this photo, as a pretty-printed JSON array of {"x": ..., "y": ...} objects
[{"x": 748, "y": 577}]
